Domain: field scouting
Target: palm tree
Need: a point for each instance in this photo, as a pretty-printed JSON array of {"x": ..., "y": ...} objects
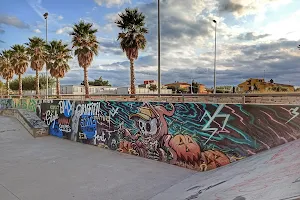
[
  {"x": 132, "y": 38},
  {"x": 6, "y": 68},
  {"x": 86, "y": 46},
  {"x": 58, "y": 55},
  {"x": 19, "y": 62},
  {"x": 37, "y": 52}
]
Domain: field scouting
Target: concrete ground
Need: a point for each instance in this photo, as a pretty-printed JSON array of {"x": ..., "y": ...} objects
[{"x": 50, "y": 168}]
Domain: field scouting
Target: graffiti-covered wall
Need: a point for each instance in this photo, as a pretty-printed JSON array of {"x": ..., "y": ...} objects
[
  {"x": 193, "y": 135},
  {"x": 6, "y": 104}
]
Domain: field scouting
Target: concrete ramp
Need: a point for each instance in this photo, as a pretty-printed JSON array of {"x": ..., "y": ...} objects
[
  {"x": 33, "y": 124},
  {"x": 270, "y": 175},
  {"x": 49, "y": 168}
]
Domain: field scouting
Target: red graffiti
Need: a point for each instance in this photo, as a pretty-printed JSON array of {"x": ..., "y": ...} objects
[{"x": 64, "y": 121}]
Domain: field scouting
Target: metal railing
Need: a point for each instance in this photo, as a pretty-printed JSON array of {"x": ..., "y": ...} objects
[{"x": 213, "y": 98}]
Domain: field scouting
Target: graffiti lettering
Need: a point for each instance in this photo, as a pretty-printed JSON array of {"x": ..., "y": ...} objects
[
  {"x": 295, "y": 112},
  {"x": 82, "y": 136},
  {"x": 50, "y": 117},
  {"x": 88, "y": 125},
  {"x": 65, "y": 108}
]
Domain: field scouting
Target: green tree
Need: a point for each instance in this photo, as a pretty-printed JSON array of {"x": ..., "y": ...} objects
[
  {"x": 182, "y": 90},
  {"x": 6, "y": 68},
  {"x": 153, "y": 87},
  {"x": 98, "y": 82},
  {"x": 86, "y": 46},
  {"x": 37, "y": 52},
  {"x": 195, "y": 87},
  {"x": 132, "y": 38},
  {"x": 20, "y": 61},
  {"x": 28, "y": 82},
  {"x": 58, "y": 55}
]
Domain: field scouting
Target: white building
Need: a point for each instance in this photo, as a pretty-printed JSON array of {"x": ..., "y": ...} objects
[
  {"x": 126, "y": 90},
  {"x": 80, "y": 90}
]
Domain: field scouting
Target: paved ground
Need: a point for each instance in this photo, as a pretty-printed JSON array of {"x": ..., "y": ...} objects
[{"x": 50, "y": 168}]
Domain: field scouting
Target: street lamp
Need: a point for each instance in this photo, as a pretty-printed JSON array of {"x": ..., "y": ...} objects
[
  {"x": 158, "y": 47},
  {"x": 215, "y": 62},
  {"x": 46, "y": 18}
]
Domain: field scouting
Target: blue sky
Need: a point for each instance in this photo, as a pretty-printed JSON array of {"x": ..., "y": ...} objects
[{"x": 253, "y": 37}]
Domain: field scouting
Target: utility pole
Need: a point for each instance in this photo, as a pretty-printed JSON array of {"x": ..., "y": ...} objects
[
  {"x": 46, "y": 18},
  {"x": 215, "y": 80},
  {"x": 158, "y": 47}
]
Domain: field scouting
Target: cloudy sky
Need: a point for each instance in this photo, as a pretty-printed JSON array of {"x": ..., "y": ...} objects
[{"x": 255, "y": 38}]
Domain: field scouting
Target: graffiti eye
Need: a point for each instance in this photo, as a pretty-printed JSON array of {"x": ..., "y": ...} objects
[
  {"x": 180, "y": 141},
  {"x": 148, "y": 127},
  {"x": 189, "y": 140},
  {"x": 141, "y": 124}
]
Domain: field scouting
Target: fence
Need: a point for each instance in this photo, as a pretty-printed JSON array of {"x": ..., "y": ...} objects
[{"x": 278, "y": 98}]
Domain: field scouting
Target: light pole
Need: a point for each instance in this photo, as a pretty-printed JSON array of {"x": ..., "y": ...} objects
[
  {"x": 46, "y": 18},
  {"x": 215, "y": 81},
  {"x": 158, "y": 47}
]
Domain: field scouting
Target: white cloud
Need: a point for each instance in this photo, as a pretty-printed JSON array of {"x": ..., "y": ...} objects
[
  {"x": 37, "y": 30},
  {"x": 60, "y": 17},
  {"x": 64, "y": 30},
  {"x": 12, "y": 21},
  {"x": 111, "y": 3},
  {"x": 241, "y": 8}
]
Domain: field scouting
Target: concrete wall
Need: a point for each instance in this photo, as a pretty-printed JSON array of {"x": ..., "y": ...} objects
[
  {"x": 198, "y": 136},
  {"x": 192, "y": 135}
]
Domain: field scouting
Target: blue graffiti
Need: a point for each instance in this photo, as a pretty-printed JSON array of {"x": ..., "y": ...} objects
[
  {"x": 88, "y": 125},
  {"x": 67, "y": 108},
  {"x": 55, "y": 130}
]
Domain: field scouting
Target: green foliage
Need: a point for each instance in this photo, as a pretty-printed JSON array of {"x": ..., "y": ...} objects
[
  {"x": 36, "y": 48},
  {"x": 85, "y": 42},
  {"x": 28, "y": 82},
  {"x": 182, "y": 90},
  {"x": 98, "y": 82},
  {"x": 132, "y": 38},
  {"x": 195, "y": 87},
  {"x": 153, "y": 87},
  {"x": 278, "y": 89},
  {"x": 57, "y": 57}
]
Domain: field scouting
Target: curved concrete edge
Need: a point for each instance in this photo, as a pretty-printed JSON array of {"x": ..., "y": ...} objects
[
  {"x": 272, "y": 174},
  {"x": 31, "y": 122}
]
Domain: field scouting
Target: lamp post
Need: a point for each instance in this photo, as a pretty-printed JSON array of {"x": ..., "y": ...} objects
[
  {"x": 215, "y": 62},
  {"x": 158, "y": 47},
  {"x": 46, "y": 18}
]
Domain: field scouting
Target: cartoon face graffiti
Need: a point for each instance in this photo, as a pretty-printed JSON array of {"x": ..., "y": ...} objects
[
  {"x": 146, "y": 122},
  {"x": 186, "y": 148},
  {"x": 147, "y": 127}
]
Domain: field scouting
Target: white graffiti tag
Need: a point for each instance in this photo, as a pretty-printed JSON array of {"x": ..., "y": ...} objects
[
  {"x": 294, "y": 112},
  {"x": 212, "y": 118}
]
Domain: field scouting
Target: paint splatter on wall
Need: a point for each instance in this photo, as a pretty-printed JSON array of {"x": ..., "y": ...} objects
[{"x": 192, "y": 135}]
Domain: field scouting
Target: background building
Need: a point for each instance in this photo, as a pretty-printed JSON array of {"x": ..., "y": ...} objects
[{"x": 261, "y": 85}]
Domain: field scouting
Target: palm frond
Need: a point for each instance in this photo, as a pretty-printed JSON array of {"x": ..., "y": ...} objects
[
  {"x": 132, "y": 38},
  {"x": 85, "y": 42},
  {"x": 57, "y": 57}
]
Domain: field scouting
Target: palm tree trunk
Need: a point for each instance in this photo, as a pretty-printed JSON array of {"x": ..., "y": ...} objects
[
  {"x": 37, "y": 88},
  {"x": 86, "y": 83},
  {"x": 7, "y": 87},
  {"x": 20, "y": 86},
  {"x": 57, "y": 88},
  {"x": 132, "y": 78}
]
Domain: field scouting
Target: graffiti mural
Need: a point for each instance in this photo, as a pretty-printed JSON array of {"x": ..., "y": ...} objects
[
  {"x": 5, "y": 104},
  {"x": 28, "y": 104},
  {"x": 192, "y": 135}
]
